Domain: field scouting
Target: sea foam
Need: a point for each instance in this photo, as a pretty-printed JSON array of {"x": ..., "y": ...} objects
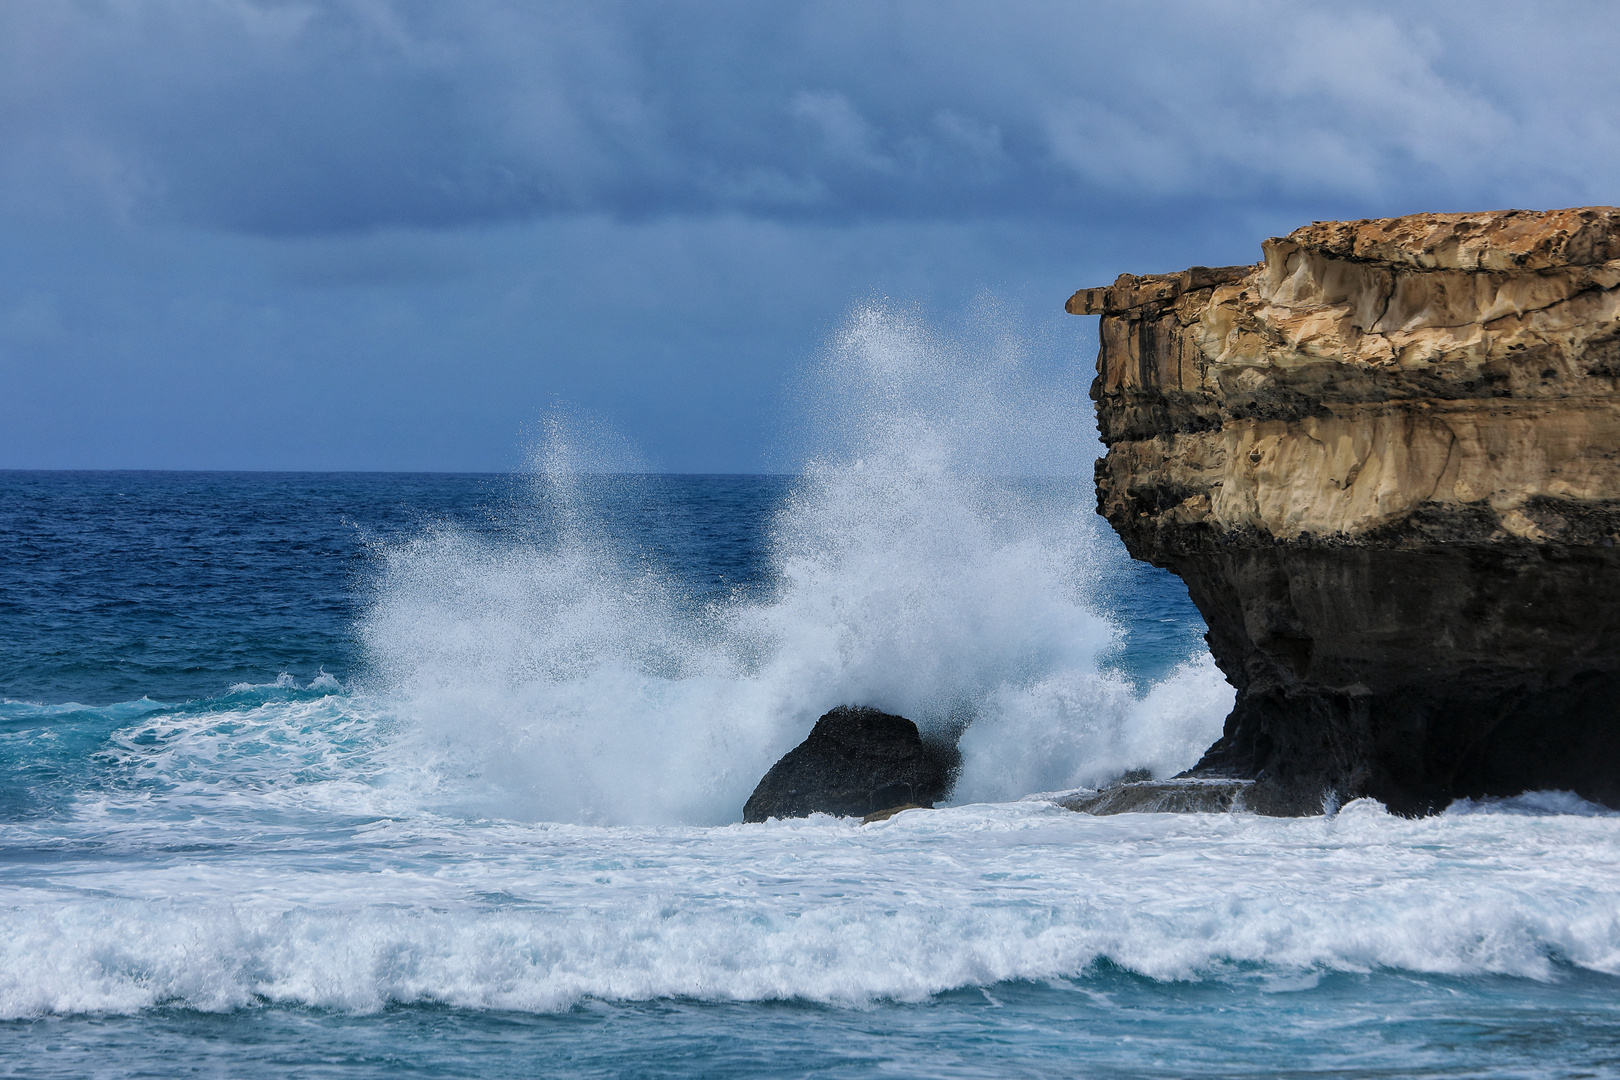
[
  {"x": 529, "y": 800},
  {"x": 538, "y": 918},
  {"x": 937, "y": 558}
]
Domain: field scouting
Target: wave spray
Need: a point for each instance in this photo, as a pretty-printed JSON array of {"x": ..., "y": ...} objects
[{"x": 937, "y": 557}]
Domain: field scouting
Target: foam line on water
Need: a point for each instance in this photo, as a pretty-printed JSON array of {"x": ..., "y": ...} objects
[{"x": 537, "y": 918}]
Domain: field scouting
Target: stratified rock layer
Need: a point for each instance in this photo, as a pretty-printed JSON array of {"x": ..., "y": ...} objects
[
  {"x": 857, "y": 761},
  {"x": 1386, "y": 462}
]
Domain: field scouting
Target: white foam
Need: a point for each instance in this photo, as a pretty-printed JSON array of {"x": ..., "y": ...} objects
[
  {"x": 538, "y": 917},
  {"x": 557, "y": 677},
  {"x": 327, "y": 847},
  {"x": 1079, "y": 729}
]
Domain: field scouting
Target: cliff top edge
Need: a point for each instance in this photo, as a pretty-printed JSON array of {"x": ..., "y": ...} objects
[{"x": 1490, "y": 241}]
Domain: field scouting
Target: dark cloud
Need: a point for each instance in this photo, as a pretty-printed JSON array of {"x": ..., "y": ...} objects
[
  {"x": 388, "y": 233},
  {"x": 282, "y": 117},
  {"x": 146, "y": 349}
]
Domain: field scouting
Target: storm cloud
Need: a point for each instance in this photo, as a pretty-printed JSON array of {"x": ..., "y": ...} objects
[
  {"x": 191, "y": 188},
  {"x": 304, "y": 117}
]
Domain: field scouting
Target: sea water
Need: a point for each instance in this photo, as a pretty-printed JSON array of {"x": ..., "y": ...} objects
[{"x": 356, "y": 775}]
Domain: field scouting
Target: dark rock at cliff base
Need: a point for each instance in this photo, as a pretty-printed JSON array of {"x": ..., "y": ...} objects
[
  {"x": 1386, "y": 462},
  {"x": 857, "y": 761}
]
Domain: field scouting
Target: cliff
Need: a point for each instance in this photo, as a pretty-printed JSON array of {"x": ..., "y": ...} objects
[{"x": 1386, "y": 462}]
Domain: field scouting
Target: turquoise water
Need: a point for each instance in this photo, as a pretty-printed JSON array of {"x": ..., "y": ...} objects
[
  {"x": 1108, "y": 1024},
  {"x": 320, "y": 775}
]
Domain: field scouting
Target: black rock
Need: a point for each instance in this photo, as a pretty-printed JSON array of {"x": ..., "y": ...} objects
[
  {"x": 856, "y": 761},
  {"x": 1415, "y": 676}
]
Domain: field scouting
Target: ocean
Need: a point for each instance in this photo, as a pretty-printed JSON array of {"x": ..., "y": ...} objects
[{"x": 321, "y": 775}]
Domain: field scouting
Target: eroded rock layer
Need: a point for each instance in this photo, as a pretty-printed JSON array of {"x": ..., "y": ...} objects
[{"x": 1386, "y": 462}]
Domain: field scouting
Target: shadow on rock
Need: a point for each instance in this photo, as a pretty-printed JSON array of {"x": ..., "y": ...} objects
[{"x": 857, "y": 761}]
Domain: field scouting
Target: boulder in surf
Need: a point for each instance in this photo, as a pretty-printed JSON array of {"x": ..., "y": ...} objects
[{"x": 856, "y": 761}]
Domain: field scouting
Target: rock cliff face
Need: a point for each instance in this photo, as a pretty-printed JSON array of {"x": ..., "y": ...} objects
[{"x": 1386, "y": 462}]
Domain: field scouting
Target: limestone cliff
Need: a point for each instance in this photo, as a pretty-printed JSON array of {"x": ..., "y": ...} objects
[{"x": 1386, "y": 462}]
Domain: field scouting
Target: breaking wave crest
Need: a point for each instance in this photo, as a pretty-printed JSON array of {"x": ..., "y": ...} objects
[
  {"x": 937, "y": 558},
  {"x": 538, "y": 918}
]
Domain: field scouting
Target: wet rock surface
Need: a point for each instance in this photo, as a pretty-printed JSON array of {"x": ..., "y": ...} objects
[
  {"x": 1181, "y": 796},
  {"x": 1386, "y": 462},
  {"x": 856, "y": 762}
]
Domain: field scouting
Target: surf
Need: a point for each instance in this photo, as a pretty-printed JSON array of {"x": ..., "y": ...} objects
[{"x": 935, "y": 557}]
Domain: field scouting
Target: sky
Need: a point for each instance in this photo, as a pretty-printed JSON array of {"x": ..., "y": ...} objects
[{"x": 395, "y": 234}]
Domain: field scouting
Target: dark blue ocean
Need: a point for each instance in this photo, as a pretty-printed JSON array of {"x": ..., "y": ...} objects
[{"x": 319, "y": 775}]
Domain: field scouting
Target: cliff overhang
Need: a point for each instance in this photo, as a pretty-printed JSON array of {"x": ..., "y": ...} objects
[{"x": 1386, "y": 462}]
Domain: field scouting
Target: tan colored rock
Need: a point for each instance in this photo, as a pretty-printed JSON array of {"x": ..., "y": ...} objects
[
  {"x": 1366, "y": 368},
  {"x": 1441, "y": 386}
]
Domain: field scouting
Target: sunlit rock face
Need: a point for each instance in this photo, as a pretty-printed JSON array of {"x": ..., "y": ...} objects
[{"x": 1386, "y": 462}]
